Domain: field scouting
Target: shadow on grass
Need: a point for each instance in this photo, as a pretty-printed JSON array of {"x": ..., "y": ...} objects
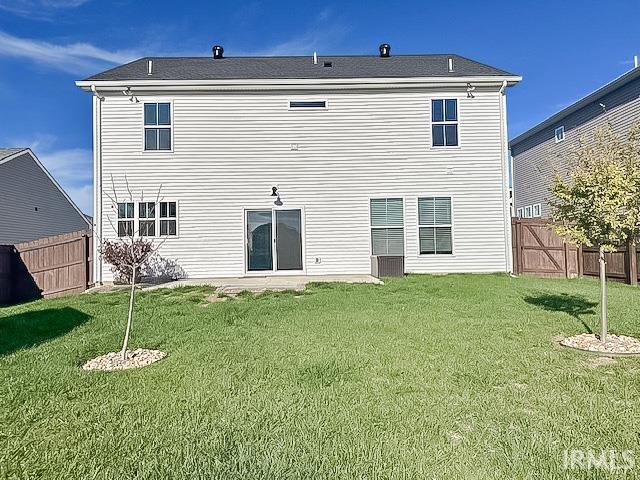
[
  {"x": 28, "y": 329},
  {"x": 573, "y": 305}
]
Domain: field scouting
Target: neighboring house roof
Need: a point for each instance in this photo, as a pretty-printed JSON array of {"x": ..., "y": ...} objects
[
  {"x": 583, "y": 102},
  {"x": 7, "y": 152},
  {"x": 298, "y": 67}
]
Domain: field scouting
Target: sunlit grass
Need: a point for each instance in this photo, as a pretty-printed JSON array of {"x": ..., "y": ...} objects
[{"x": 425, "y": 377}]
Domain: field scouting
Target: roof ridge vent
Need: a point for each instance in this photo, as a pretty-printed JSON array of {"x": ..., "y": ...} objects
[{"x": 217, "y": 51}]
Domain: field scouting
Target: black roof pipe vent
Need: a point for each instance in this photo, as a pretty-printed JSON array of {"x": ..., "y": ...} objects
[
  {"x": 217, "y": 51},
  {"x": 385, "y": 50}
]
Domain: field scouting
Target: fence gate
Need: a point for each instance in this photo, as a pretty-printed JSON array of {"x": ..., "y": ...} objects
[{"x": 538, "y": 250}]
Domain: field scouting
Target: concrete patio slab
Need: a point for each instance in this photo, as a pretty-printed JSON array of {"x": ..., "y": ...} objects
[{"x": 272, "y": 283}]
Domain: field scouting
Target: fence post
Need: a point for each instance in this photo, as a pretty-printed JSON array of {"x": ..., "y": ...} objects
[
  {"x": 85, "y": 259},
  {"x": 631, "y": 263},
  {"x": 566, "y": 258},
  {"x": 580, "y": 261}
]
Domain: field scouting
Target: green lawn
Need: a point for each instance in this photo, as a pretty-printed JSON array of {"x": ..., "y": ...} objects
[{"x": 425, "y": 377}]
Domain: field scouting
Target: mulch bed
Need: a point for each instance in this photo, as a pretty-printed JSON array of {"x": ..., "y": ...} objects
[
  {"x": 140, "y": 357},
  {"x": 615, "y": 344}
]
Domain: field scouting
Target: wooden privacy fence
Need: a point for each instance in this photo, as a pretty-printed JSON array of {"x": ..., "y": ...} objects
[
  {"x": 47, "y": 267},
  {"x": 538, "y": 250}
]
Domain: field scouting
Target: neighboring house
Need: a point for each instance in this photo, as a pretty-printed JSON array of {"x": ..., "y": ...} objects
[
  {"x": 306, "y": 165},
  {"x": 544, "y": 149},
  {"x": 32, "y": 203}
]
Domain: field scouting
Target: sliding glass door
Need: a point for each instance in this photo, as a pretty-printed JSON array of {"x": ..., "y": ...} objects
[{"x": 269, "y": 248}]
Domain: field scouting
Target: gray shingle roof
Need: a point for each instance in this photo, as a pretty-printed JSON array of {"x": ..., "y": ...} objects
[
  {"x": 7, "y": 152},
  {"x": 208, "y": 68}
]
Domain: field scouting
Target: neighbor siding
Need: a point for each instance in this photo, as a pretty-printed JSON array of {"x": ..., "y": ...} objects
[
  {"x": 230, "y": 149},
  {"x": 32, "y": 206},
  {"x": 537, "y": 158}
]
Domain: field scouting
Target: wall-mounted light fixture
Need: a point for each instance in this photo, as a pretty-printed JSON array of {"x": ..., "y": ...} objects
[{"x": 129, "y": 93}]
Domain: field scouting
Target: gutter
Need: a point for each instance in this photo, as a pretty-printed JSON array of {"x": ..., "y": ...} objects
[{"x": 297, "y": 83}]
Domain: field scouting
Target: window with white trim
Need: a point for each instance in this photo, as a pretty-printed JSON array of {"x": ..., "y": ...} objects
[
  {"x": 444, "y": 122},
  {"x": 387, "y": 226},
  {"x": 528, "y": 211},
  {"x": 157, "y": 126},
  {"x": 559, "y": 134},
  {"x": 125, "y": 219},
  {"x": 537, "y": 210},
  {"x": 168, "y": 219},
  {"x": 520, "y": 212},
  {"x": 435, "y": 225},
  {"x": 147, "y": 219}
]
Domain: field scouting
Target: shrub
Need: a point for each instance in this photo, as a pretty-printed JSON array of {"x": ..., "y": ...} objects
[{"x": 123, "y": 255}]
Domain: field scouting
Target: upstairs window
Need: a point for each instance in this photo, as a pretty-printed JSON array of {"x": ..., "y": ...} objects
[
  {"x": 168, "y": 219},
  {"x": 387, "y": 226},
  {"x": 147, "y": 219},
  {"x": 157, "y": 126},
  {"x": 302, "y": 104},
  {"x": 559, "y": 134},
  {"x": 125, "y": 219},
  {"x": 434, "y": 225},
  {"x": 444, "y": 122}
]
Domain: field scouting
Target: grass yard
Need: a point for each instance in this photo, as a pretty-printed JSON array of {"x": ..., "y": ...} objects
[{"x": 426, "y": 377}]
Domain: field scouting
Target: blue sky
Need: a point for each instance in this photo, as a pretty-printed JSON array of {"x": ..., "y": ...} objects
[{"x": 563, "y": 50}]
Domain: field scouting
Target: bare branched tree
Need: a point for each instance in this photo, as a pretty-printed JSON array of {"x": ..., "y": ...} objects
[{"x": 132, "y": 247}]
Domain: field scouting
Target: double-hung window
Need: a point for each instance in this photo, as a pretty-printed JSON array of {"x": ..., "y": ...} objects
[
  {"x": 168, "y": 219},
  {"x": 147, "y": 219},
  {"x": 434, "y": 225},
  {"x": 157, "y": 126},
  {"x": 444, "y": 122},
  {"x": 559, "y": 134},
  {"x": 387, "y": 226},
  {"x": 125, "y": 219}
]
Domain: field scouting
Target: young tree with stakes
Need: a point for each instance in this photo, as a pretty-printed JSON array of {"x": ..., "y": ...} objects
[
  {"x": 598, "y": 202},
  {"x": 130, "y": 251}
]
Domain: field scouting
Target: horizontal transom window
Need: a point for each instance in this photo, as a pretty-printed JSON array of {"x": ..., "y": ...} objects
[{"x": 308, "y": 104}]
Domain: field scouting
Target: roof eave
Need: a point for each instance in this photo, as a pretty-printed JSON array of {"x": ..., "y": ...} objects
[
  {"x": 297, "y": 83},
  {"x": 583, "y": 102}
]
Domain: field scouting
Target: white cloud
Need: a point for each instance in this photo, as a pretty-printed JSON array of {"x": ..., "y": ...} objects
[
  {"x": 77, "y": 58},
  {"x": 82, "y": 197},
  {"x": 38, "y": 9},
  {"x": 319, "y": 38}
]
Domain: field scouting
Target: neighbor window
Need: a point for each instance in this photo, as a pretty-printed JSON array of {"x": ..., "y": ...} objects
[
  {"x": 528, "y": 211},
  {"x": 307, "y": 104},
  {"x": 559, "y": 134},
  {"x": 444, "y": 123},
  {"x": 537, "y": 210},
  {"x": 125, "y": 226},
  {"x": 157, "y": 126},
  {"x": 387, "y": 226},
  {"x": 520, "y": 212},
  {"x": 147, "y": 219},
  {"x": 434, "y": 225},
  {"x": 168, "y": 219}
]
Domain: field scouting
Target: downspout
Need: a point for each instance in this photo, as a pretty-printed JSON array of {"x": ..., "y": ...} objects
[
  {"x": 504, "y": 155},
  {"x": 97, "y": 184}
]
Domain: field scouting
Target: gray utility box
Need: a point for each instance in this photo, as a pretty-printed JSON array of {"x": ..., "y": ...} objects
[{"x": 387, "y": 266}]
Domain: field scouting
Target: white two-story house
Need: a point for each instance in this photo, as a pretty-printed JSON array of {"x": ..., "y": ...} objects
[{"x": 311, "y": 165}]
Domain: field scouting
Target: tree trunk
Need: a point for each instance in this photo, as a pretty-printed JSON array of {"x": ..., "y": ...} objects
[
  {"x": 130, "y": 318},
  {"x": 603, "y": 297}
]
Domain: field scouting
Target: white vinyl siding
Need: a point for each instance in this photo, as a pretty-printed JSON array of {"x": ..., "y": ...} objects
[
  {"x": 435, "y": 225},
  {"x": 231, "y": 148},
  {"x": 387, "y": 226}
]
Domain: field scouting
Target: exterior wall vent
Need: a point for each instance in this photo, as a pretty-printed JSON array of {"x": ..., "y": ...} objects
[
  {"x": 217, "y": 51},
  {"x": 450, "y": 65},
  {"x": 385, "y": 50},
  {"x": 327, "y": 64}
]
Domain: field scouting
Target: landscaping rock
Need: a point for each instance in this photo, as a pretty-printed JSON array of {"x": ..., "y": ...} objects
[
  {"x": 140, "y": 357},
  {"x": 615, "y": 344}
]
